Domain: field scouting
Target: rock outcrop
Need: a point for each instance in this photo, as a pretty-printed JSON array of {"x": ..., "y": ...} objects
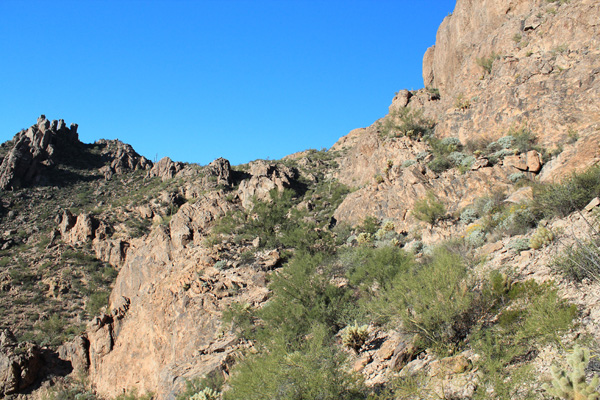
[
  {"x": 265, "y": 177},
  {"x": 33, "y": 149},
  {"x": 19, "y": 364},
  {"x": 120, "y": 157},
  {"x": 501, "y": 65},
  {"x": 165, "y": 169}
]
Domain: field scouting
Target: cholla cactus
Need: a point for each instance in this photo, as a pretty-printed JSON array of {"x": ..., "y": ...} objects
[
  {"x": 540, "y": 238},
  {"x": 205, "y": 394},
  {"x": 573, "y": 386},
  {"x": 364, "y": 237},
  {"x": 355, "y": 336}
]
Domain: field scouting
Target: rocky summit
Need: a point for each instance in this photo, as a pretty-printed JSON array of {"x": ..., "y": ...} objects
[{"x": 448, "y": 251}]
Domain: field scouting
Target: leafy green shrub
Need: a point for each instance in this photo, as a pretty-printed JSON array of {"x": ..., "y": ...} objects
[
  {"x": 312, "y": 370},
  {"x": 365, "y": 266},
  {"x": 354, "y": 336},
  {"x": 487, "y": 62},
  {"x": 573, "y": 385},
  {"x": 429, "y": 209},
  {"x": 580, "y": 260},
  {"x": 439, "y": 164},
  {"x": 528, "y": 315},
  {"x": 303, "y": 295},
  {"x": 573, "y": 193},
  {"x": 432, "y": 300}
]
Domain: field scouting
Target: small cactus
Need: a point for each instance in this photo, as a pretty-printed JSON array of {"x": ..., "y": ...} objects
[
  {"x": 573, "y": 386},
  {"x": 541, "y": 237},
  {"x": 364, "y": 238},
  {"x": 354, "y": 336},
  {"x": 205, "y": 394}
]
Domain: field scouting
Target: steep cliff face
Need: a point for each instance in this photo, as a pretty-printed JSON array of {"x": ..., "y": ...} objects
[
  {"x": 498, "y": 67},
  {"x": 504, "y": 64}
]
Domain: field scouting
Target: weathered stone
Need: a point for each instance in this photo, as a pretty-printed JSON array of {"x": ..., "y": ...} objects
[
  {"x": 221, "y": 170},
  {"x": 76, "y": 352},
  {"x": 521, "y": 195},
  {"x": 165, "y": 169},
  {"x": 19, "y": 364},
  {"x": 592, "y": 204},
  {"x": 265, "y": 177}
]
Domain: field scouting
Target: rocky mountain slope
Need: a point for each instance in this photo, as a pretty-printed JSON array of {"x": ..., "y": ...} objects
[{"x": 432, "y": 254}]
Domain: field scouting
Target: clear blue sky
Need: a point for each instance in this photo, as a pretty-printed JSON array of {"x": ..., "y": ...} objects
[{"x": 196, "y": 80}]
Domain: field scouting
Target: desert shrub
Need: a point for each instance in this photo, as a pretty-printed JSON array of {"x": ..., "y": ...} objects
[
  {"x": 528, "y": 315},
  {"x": 408, "y": 163},
  {"x": 311, "y": 370},
  {"x": 518, "y": 245},
  {"x": 209, "y": 385},
  {"x": 70, "y": 390},
  {"x": 573, "y": 193},
  {"x": 580, "y": 260},
  {"x": 517, "y": 176},
  {"x": 461, "y": 102},
  {"x": 433, "y": 301},
  {"x": 487, "y": 62},
  {"x": 439, "y": 164},
  {"x": 369, "y": 225},
  {"x": 412, "y": 123},
  {"x": 513, "y": 220},
  {"x": 468, "y": 215},
  {"x": 429, "y": 209},
  {"x": 365, "y": 266},
  {"x": 96, "y": 301},
  {"x": 449, "y": 145},
  {"x": 303, "y": 295},
  {"x": 523, "y": 140},
  {"x": 133, "y": 395},
  {"x": 476, "y": 238},
  {"x": 354, "y": 336}
]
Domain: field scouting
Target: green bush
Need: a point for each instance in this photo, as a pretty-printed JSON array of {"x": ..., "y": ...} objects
[
  {"x": 573, "y": 193},
  {"x": 580, "y": 260},
  {"x": 432, "y": 300},
  {"x": 96, "y": 301},
  {"x": 313, "y": 370},
  {"x": 526, "y": 315},
  {"x": 439, "y": 164},
  {"x": 365, "y": 266},
  {"x": 429, "y": 209},
  {"x": 487, "y": 62},
  {"x": 303, "y": 295}
]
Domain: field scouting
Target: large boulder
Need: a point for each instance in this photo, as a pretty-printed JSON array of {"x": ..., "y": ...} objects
[
  {"x": 165, "y": 169},
  {"x": 20, "y": 364},
  {"x": 265, "y": 177}
]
